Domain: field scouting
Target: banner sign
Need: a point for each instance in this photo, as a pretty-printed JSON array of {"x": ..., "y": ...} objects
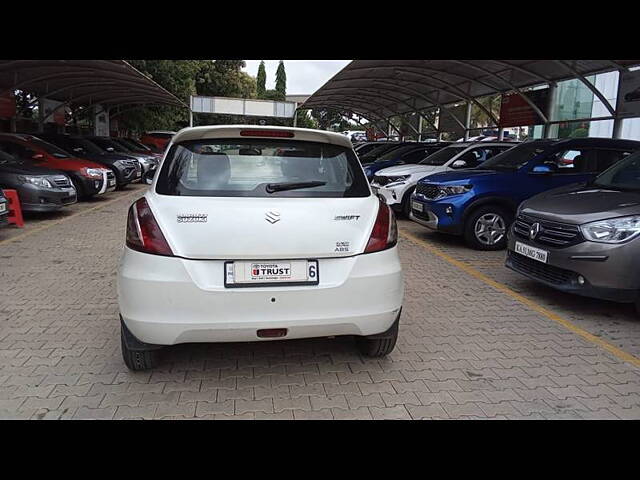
[
  {"x": 629, "y": 94},
  {"x": 7, "y": 105},
  {"x": 516, "y": 112},
  {"x": 242, "y": 106}
]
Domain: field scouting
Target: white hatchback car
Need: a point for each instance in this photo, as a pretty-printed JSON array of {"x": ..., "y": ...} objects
[
  {"x": 396, "y": 184},
  {"x": 258, "y": 233}
]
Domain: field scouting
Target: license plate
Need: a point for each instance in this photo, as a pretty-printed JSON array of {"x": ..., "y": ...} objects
[
  {"x": 138, "y": 174},
  {"x": 262, "y": 273},
  {"x": 417, "y": 206},
  {"x": 3, "y": 207},
  {"x": 112, "y": 183},
  {"x": 532, "y": 252}
]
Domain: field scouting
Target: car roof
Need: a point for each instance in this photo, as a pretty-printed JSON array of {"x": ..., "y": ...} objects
[{"x": 233, "y": 131}]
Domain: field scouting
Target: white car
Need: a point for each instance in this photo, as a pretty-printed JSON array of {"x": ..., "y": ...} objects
[
  {"x": 258, "y": 233},
  {"x": 396, "y": 184}
]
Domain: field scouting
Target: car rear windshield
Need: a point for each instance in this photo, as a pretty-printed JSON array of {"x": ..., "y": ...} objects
[
  {"x": 442, "y": 156},
  {"x": 517, "y": 157},
  {"x": 261, "y": 168},
  {"x": 624, "y": 175}
]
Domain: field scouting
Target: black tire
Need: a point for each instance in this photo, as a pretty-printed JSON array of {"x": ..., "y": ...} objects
[
  {"x": 80, "y": 194},
  {"x": 137, "y": 360},
  {"x": 485, "y": 213},
  {"x": 380, "y": 345},
  {"x": 406, "y": 202}
]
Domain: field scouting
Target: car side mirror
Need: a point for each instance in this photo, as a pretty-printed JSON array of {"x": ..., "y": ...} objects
[
  {"x": 459, "y": 164},
  {"x": 541, "y": 170}
]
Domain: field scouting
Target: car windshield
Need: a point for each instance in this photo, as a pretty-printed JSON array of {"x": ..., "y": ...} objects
[
  {"x": 49, "y": 148},
  {"x": 518, "y": 156},
  {"x": 380, "y": 150},
  {"x": 443, "y": 156},
  {"x": 261, "y": 168},
  {"x": 395, "y": 153},
  {"x": 623, "y": 175},
  {"x": 135, "y": 144},
  {"x": 85, "y": 145},
  {"x": 106, "y": 143}
]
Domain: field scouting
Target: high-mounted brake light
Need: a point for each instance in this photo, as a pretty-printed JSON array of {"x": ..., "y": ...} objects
[
  {"x": 385, "y": 231},
  {"x": 143, "y": 232},
  {"x": 267, "y": 133}
]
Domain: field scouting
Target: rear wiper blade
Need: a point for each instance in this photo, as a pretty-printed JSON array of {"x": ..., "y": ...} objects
[{"x": 279, "y": 187}]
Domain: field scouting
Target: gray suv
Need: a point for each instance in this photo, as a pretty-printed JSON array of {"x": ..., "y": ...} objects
[{"x": 583, "y": 238}]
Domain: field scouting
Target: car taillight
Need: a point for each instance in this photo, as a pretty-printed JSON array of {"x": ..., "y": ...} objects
[
  {"x": 143, "y": 232},
  {"x": 385, "y": 231}
]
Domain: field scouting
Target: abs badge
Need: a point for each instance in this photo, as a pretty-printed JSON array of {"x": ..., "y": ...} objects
[{"x": 192, "y": 218}]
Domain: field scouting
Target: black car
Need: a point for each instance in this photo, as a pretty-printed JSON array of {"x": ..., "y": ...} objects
[
  {"x": 39, "y": 189},
  {"x": 366, "y": 147},
  {"x": 385, "y": 147},
  {"x": 125, "y": 167},
  {"x": 4, "y": 210},
  {"x": 109, "y": 145}
]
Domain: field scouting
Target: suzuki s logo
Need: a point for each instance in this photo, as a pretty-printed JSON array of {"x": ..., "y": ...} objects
[
  {"x": 534, "y": 230},
  {"x": 272, "y": 217}
]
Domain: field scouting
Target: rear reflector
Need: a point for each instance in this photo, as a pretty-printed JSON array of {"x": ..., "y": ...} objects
[
  {"x": 267, "y": 133},
  {"x": 143, "y": 232},
  {"x": 272, "y": 332},
  {"x": 385, "y": 231}
]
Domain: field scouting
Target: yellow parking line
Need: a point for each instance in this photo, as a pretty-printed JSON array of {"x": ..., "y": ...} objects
[
  {"x": 62, "y": 220},
  {"x": 621, "y": 354}
]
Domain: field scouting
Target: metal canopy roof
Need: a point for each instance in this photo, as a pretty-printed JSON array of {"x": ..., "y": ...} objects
[
  {"x": 379, "y": 89},
  {"x": 85, "y": 82}
]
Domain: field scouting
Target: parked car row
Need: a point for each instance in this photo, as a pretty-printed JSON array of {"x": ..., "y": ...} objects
[
  {"x": 50, "y": 170},
  {"x": 567, "y": 210}
]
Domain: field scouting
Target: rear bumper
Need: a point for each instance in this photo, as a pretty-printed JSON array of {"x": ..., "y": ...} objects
[{"x": 166, "y": 301}]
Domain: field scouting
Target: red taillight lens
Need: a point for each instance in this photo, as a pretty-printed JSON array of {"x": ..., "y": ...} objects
[
  {"x": 385, "y": 231},
  {"x": 267, "y": 133},
  {"x": 143, "y": 232}
]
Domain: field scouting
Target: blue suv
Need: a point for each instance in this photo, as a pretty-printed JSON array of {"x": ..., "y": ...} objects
[{"x": 480, "y": 203}]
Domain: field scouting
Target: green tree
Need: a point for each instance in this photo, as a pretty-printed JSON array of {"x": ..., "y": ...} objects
[
  {"x": 274, "y": 95},
  {"x": 261, "y": 80},
  {"x": 184, "y": 78},
  {"x": 281, "y": 79}
]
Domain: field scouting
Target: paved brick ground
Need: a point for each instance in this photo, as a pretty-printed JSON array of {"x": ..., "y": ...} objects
[{"x": 465, "y": 349}]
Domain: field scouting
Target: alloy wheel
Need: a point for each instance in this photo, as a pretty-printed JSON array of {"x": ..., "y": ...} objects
[{"x": 490, "y": 229}]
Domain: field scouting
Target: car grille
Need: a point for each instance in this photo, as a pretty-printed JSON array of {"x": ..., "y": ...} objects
[
  {"x": 553, "y": 234},
  {"x": 429, "y": 190},
  {"x": 61, "y": 182},
  {"x": 541, "y": 271}
]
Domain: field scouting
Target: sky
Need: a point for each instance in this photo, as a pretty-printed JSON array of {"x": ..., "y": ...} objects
[{"x": 303, "y": 76}]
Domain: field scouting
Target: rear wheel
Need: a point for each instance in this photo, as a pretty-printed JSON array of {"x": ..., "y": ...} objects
[
  {"x": 486, "y": 228},
  {"x": 380, "y": 345},
  {"x": 136, "y": 359}
]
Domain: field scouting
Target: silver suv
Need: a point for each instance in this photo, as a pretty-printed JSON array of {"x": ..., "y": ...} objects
[{"x": 583, "y": 238}]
